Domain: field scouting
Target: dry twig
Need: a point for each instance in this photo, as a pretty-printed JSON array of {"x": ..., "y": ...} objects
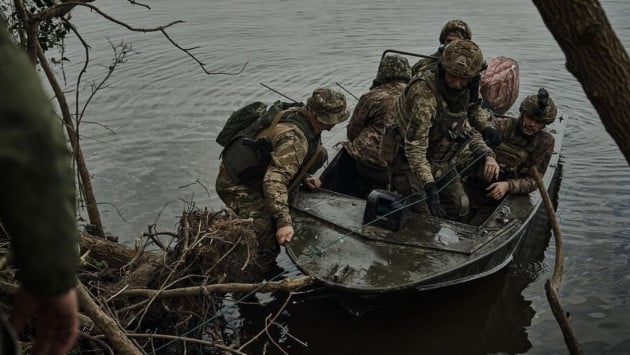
[{"x": 552, "y": 286}]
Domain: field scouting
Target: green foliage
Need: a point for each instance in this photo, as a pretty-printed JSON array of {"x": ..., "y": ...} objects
[{"x": 51, "y": 31}]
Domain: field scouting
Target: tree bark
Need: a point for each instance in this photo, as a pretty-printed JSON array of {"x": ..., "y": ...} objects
[
  {"x": 282, "y": 285},
  {"x": 116, "y": 255},
  {"x": 86, "y": 182},
  {"x": 30, "y": 25},
  {"x": 596, "y": 57}
]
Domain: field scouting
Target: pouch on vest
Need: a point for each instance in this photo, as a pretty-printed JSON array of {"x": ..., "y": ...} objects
[{"x": 246, "y": 159}]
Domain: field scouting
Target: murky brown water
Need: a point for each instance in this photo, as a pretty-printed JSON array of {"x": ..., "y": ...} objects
[{"x": 166, "y": 113}]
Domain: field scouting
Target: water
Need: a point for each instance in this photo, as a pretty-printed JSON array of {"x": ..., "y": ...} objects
[{"x": 166, "y": 112}]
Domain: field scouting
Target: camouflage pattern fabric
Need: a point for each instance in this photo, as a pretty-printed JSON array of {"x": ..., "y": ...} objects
[
  {"x": 457, "y": 26},
  {"x": 543, "y": 142},
  {"x": 425, "y": 65},
  {"x": 393, "y": 67},
  {"x": 540, "y": 106},
  {"x": 462, "y": 58},
  {"x": 366, "y": 131},
  {"x": 328, "y": 105},
  {"x": 266, "y": 201},
  {"x": 417, "y": 112}
]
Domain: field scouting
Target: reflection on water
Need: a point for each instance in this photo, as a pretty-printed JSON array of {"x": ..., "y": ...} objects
[{"x": 165, "y": 114}]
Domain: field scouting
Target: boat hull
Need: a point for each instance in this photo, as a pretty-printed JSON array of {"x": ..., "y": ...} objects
[{"x": 333, "y": 245}]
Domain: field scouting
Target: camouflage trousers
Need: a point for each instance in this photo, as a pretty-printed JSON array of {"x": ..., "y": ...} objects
[
  {"x": 248, "y": 202},
  {"x": 453, "y": 196}
]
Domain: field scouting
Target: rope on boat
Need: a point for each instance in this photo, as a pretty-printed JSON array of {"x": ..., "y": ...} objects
[{"x": 552, "y": 286}]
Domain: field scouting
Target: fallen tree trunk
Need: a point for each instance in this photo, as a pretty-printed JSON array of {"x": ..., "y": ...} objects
[
  {"x": 114, "y": 254},
  {"x": 282, "y": 285}
]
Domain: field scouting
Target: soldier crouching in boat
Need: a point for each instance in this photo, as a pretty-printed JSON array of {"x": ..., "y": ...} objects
[
  {"x": 432, "y": 118},
  {"x": 524, "y": 144},
  {"x": 295, "y": 148},
  {"x": 372, "y": 144}
]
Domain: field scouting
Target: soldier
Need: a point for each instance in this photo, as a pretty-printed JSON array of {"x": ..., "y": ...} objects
[
  {"x": 452, "y": 31},
  {"x": 37, "y": 198},
  {"x": 524, "y": 145},
  {"x": 432, "y": 118},
  {"x": 295, "y": 144},
  {"x": 371, "y": 144}
]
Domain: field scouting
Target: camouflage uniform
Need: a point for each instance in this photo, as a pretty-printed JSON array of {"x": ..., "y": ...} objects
[
  {"x": 371, "y": 142},
  {"x": 265, "y": 199},
  {"x": 518, "y": 153},
  {"x": 434, "y": 123},
  {"x": 427, "y": 64}
]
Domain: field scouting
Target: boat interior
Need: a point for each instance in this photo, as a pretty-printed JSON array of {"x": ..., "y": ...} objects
[{"x": 340, "y": 176}]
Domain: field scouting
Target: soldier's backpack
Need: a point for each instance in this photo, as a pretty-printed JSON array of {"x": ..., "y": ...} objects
[
  {"x": 251, "y": 119},
  {"x": 247, "y": 149},
  {"x": 239, "y": 120}
]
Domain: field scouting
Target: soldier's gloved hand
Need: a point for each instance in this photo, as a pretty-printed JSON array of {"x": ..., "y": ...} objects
[
  {"x": 433, "y": 200},
  {"x": 491, "y": 136}
]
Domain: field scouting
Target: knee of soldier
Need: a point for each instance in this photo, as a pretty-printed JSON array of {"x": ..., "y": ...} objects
[{"x": 463, "y": 205}]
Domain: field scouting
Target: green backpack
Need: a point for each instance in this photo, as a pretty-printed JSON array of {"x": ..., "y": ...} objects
[
  {"x": 239, "y": 120},
  {"x": 251, "y": 119}
]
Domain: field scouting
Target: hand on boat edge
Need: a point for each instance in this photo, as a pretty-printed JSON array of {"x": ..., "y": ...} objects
[
  {"x": 284, "y": 234},
  {"x": 312, "y": 183}
]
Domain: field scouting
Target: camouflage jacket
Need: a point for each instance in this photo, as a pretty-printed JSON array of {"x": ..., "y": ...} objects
[
  {"x": 420, "y": 120},
  {"x": 425, "y": 65},
  {"x": 367, "y": 128},
  {"x": 518, "y": 153},
  {"x": 290, "y": 148}
]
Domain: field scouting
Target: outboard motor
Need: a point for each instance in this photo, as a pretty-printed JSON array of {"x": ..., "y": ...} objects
[{"x": 385, "y": 209}]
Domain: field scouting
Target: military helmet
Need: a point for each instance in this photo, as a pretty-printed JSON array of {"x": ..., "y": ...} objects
[
  {"x": 540, "y": 107},
  {"x": 328, "y": 105},
  {"x": 457, "y": 26},
  {"x": 393, "y": 67},
  {"x": 462, "y": 58}
]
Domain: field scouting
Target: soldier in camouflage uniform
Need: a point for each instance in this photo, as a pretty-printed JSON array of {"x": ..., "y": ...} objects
[
  {"x": 294, "y": 142},
  {"x": 481, "y": 120},
  {"x": 433, "y": 120},
  {"x": 452, "y": 30},
  {"x": 524, "y": 145},
  {"x": 371, "y": 142}
]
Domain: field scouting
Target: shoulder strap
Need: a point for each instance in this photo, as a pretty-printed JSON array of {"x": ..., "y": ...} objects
[
  {"x": 265, "y": 132},
  {"x": 302, "y": 173}
]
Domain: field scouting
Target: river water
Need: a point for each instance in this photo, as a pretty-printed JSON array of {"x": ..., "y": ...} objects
[{"x": 162, "y": 113}]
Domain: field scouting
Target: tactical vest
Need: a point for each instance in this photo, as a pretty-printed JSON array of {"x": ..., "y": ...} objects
[
  {"x": 514, "y": 150},
  {"x": 448, "y": 134},
  {"x": 246, "y": 165}
]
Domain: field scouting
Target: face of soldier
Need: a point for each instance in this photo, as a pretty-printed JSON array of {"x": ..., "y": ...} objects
[
  {"x": 453, "y": 36},
  {"x": 531, "y": 125},
  {"x": 456, "y": 82}
]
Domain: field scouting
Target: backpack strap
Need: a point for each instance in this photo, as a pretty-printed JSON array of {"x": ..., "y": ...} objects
[
  {"x": 265, "y": 132},
  {"x": 302, "y": 173}
]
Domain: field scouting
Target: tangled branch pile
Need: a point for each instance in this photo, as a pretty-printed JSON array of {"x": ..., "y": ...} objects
[{"x": 135, "y": 300}]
